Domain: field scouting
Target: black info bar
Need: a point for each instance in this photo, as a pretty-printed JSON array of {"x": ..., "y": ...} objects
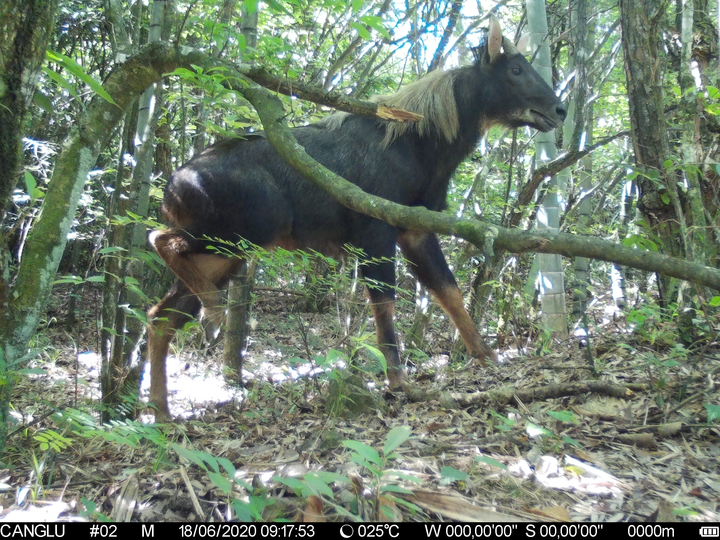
[{"x": 358, "y": 531}]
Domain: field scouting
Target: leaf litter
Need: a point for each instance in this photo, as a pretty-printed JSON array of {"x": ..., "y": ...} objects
[{"x": 537, "y": 437}]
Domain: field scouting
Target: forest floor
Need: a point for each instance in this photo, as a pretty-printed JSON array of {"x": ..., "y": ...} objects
[{"x": 537, "y": 437}]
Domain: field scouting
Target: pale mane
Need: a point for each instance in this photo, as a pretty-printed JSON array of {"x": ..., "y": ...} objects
[{"x": 433, "y": 97}]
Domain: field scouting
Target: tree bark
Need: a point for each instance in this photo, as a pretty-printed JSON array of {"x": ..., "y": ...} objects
[
  {"x": 644, "y": 72},
  {"x": 240, "y": 286},
  {"x": 25, "y": 30}
]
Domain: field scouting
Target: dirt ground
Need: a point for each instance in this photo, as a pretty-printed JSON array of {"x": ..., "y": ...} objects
[{"x": 540, "y": 436}]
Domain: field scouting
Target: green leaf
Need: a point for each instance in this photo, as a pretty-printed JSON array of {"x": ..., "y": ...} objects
[
  {"x": 330, "y": 477},
  {"x": 241, "y": 42},
  {"x": 61, "y": 81},
  {"x": 75, "y": 280},
  {"x": 414, "y": 509},
  {"x": 713, "y": 108},
  {"x": 571, "y": 441},
  {"x": 42, "y": 101},
  {"x": 334, "y": 356},
  {"x": 250, "y": 6},
  {"x": 403, "y": 476},
  {"x": 395, "y": 489},
  {"x": 221, "y": 482},
  {"x": 491, "y": 461},
  {"x": 535, "y": 431},
  {"x": 76, "y": 69},
  {"x": 361, "y": 30},
  {"x": 317, "y": 485},
  {"x": 714, "y": 301},
  {"x": 564, "y": 416},
  {"x": 452, "y": 474},
  {"x": 377, "y": 24},
  {"x": 111, "y": 249},
  {"x": 31, "y": 185},
  {"x": 189, "y": 454},
  {"x": 397, "y": 436},
  {"x": 90, "y": 506},
  {"x": 96, "y": 279},
  {"x": 276, "y": 6},
  {"x": 377, "y": 355},
  {"x": 713, "y": 412},
  {"x": 366, "y": 452},
  {"x": 19, "y": 361},
  {"x": 32, "y": 371},
  {"x": 227, "y": 465},
  {"x": 293, "y": 483},
  {"x": 210, "y": 460}
]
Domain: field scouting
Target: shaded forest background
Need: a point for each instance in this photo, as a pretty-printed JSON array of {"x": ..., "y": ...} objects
[{"x": 94, "y": 124}]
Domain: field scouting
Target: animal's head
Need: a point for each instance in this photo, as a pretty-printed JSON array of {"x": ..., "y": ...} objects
[{"x": 514, "y": 94}]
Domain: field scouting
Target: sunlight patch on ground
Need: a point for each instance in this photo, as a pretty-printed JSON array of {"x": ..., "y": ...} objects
[
  {"x": 192, "y": 386},
  {"x": 89, "y": 359},
  {"x": 275, "y": 372}
]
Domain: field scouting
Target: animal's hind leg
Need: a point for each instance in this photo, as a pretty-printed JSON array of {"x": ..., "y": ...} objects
[
  {"x": 198, "y": 271},
  {"x": 178, "y": 307},
  {"x": 428, "y": 263}
]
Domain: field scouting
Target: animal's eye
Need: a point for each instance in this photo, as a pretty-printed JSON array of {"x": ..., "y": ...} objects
[{"x": 516, "y": 70}]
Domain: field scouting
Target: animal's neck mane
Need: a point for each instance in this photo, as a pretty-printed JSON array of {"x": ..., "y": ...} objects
[{"x": 432, "y": 96}]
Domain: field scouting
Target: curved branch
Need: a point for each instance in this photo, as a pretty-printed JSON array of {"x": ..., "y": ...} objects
[{"x": 272, "y": 114}]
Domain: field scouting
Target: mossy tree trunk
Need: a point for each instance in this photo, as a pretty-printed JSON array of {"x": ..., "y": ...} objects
[
  {"x": 25, "y": 30},
  {"x": 644, "y": 62}
]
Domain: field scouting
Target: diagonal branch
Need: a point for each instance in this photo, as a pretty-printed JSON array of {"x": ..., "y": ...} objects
[
  {"x": 272, "y": 114},
  {"x": 552, "y": 168},
  {"x": 324, "y": 97}
]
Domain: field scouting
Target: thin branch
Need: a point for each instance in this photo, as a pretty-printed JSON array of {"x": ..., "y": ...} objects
[{"x": 324, "y": 97}]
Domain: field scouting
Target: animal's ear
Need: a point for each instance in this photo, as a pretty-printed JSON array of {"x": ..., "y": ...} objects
[
  {"x": 494, "y": 39},
  {"x": 523, "y": 44}
]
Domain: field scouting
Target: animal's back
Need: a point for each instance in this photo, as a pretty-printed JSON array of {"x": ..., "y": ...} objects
[{"x": 242, "y": 188}]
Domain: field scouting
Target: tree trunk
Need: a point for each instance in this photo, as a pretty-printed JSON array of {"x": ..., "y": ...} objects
[
  {"x": 701, "y": 247},
  {"x": 129, "y": 327},
  {"x": 241, "y": 284},
  {"x": 551, "y": 277},
  {"x": 237, "y": 327},
  {"x": 644, "y": 61},
  {"x": 48, "y": 237},
  {"x": 584, "y": 43},
  {"x": 25, "y": 30}
]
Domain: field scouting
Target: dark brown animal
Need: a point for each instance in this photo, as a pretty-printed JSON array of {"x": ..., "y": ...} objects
[{"x": 240, "y": 188}]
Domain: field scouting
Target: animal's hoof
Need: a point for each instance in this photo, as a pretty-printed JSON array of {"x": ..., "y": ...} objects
[
  {"x": 212, "y": 323},
  {"x": 397, "y": 378},
  {"x": 162, "y": 414},
  {"x": 484, "y": 355}
]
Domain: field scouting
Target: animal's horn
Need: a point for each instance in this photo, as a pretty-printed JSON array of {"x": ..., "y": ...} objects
[{"x": 509, "y": 46}]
